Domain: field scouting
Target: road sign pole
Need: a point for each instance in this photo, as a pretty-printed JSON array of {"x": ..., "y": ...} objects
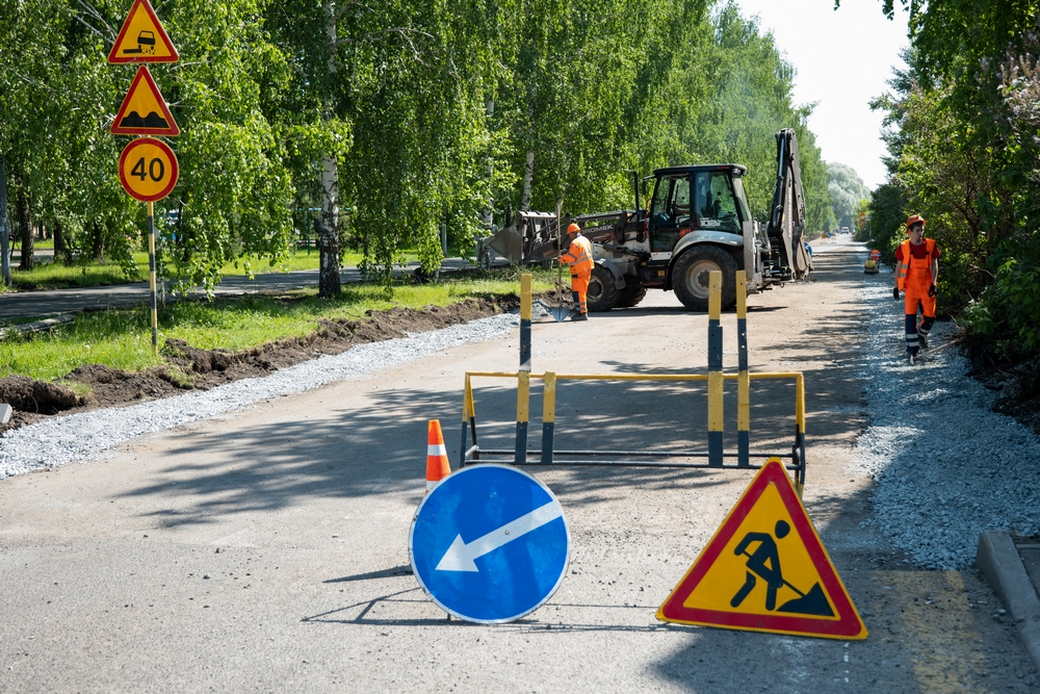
[{"x": 151, "y": 276}]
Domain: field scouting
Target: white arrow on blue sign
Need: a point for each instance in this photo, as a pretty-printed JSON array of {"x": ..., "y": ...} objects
[{"x": 489, "y": 543}]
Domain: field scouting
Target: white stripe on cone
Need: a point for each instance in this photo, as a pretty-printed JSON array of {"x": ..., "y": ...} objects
[{"x": 436, "y": 449}]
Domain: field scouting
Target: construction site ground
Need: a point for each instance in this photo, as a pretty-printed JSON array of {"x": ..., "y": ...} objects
[{"x": 268, "y": 550}]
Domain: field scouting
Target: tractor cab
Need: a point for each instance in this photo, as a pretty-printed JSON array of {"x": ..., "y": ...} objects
[{"x": 696, "y": 204}]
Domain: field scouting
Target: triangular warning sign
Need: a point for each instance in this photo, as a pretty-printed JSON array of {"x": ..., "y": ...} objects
[
  {"x": 142, "y": 38},
  {"x": 144, "y": 112},
  {"x": 765, "y": 569}
]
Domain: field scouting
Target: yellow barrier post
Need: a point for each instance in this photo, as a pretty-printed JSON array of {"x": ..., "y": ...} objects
[
  {"x": 715, "y": 407},
  {"x": 523, "y": 403},
  {"x": 799, "y": 417},
  {"x": 548, "y": 416},
  {"x": 523, "y": 386},
  {"x": 469, "y": 418},
  {"x": 743, "y": 380},
  {"x": 525, "y": 322}
]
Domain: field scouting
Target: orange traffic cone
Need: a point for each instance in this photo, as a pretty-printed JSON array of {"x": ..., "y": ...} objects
[{"x": 437, "y": 465}]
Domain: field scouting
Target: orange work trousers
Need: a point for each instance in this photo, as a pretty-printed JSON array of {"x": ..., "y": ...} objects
[
  {"x": 917, "y": 296},
  {"x": 580, "y": 286}
]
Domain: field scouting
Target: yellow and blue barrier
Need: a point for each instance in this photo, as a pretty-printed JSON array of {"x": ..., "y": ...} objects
[{"x": 715, "y": 379}]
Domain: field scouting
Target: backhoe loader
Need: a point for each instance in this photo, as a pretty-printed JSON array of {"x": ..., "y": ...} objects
[{"x": 698, "y": 220}]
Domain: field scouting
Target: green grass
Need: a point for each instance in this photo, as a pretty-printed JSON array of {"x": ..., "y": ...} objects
[
  {"x": 98, "y": 273},
  {"x": 299, "y": 259},
  {"x": 60, "y": 276},
  {"x": 122, "y": 339}
]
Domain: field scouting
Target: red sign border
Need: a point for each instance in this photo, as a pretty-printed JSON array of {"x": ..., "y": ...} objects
[
  {"x": 143, "y": 73},
  {"x": 173, "y": 162},
  {"x": 112, "y": 58},
  {"x": 849, "y": 625}
]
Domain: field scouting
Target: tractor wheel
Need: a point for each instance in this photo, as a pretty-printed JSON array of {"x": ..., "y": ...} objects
[
  {"x": 632, "y": 294},
  {"x": 603, "y": 291},
  {"x": 690, "y": 277}
]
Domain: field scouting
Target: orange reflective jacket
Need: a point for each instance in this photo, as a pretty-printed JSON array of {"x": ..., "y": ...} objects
[
  {"x": 579, "y": 256},
  {"x": 912, "y": 272}
]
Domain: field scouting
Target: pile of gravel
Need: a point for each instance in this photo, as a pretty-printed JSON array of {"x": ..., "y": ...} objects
[
  {"x": 89, "y": 435},
  {"x": 947, "y": 467}
]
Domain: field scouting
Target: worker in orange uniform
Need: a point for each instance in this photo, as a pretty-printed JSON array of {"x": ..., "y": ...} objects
[
  {"x": 579, "y": 257},
  {"x": 917, "y": 271}
]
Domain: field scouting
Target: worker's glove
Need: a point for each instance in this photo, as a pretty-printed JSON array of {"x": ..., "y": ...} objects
[
  {"x": 931, "y": 290},
  {"x": 895, "y": 293}
]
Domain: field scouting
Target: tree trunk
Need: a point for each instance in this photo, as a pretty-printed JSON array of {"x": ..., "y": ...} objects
[
  {"x": 59, "y": 242},
  {"x": 328, "y": 239},
  {"x": 488, "y": 217},
  {"x": 97, "y": 242},
  {"x": 525, "y": 196},
  {"x": 5, "y": 229},
  {"x": 25, "y": 229}
]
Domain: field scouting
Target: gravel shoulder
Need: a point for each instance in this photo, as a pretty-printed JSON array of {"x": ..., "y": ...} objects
[{"x": 947, "y": 467}]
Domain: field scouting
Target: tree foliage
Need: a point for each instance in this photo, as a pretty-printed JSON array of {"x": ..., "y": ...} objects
[
  {"x": 964, "y": 149},
  {"x": 846, "y": 190},
  {"x": 431, "y": 118}
]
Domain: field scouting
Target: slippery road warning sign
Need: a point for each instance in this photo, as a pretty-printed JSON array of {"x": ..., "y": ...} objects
[
  {"x": 766, "y": 570},
  {"x": 142, "y": 38},
  {"x": 144, "y": 111},
  {"x": 489, "y": 543}
]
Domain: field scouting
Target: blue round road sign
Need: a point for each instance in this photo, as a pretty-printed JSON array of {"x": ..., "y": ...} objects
[{"x": 489, "y": 543}]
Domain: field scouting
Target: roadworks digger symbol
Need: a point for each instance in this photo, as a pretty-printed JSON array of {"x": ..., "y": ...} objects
[{"x": 764, "y": 563}]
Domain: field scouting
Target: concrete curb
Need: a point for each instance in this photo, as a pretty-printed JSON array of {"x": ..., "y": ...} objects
[{"x": 1000, "y": 563}]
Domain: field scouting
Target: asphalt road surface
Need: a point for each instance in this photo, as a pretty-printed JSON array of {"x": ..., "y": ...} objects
[
  {"x": 267, "y": 551},
  {"x": 41, "y": 303}
]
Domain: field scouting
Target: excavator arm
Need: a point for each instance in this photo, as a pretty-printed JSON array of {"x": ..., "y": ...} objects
[{"x": 788, "y": 258}]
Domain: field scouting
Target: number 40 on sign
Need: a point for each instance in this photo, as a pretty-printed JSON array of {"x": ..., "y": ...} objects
[{"x": 148, "y": 169}]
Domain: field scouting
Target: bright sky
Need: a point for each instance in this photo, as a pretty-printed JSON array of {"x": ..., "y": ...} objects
[{"x": 842, "y": 59}]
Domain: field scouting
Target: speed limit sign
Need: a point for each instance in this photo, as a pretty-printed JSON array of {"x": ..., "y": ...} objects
[{"x": 148, "y": 169}]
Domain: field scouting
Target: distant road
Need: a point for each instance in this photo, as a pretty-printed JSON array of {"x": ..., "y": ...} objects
[{"x": 41, "y": 303}]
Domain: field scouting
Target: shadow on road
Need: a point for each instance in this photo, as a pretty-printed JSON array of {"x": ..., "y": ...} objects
[{"x": 915, "y": 646}]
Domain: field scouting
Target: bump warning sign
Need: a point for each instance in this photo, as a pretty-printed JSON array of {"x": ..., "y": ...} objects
[
  {"x": 766, "y": 570},
  {"x": 144, "y": 111}
]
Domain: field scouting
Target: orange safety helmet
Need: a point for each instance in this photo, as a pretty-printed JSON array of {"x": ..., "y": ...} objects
[
  {"x": 914, "y": 219},
  {"x": 573, "y": 228}
]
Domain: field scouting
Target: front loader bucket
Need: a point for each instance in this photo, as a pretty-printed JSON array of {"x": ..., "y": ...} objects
[
  {"x": 532, "y": 238},
  {"x": 509, "y": 244}
]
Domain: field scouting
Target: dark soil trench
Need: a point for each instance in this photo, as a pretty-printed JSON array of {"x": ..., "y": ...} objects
[{"x": 189, "y": 368}]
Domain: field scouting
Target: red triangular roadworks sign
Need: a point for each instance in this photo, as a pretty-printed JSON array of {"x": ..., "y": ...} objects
[
  {"x": 144, "y": 111},
  {"x": 834, "y": 616}
]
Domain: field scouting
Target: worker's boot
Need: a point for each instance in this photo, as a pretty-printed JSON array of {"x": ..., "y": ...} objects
[{"x": 575, "y": 306}]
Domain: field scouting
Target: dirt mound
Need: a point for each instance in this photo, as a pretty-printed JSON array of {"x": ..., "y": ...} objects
[
  {"x": 189, "y": 367},
  {"x": 38, "y": 397}
]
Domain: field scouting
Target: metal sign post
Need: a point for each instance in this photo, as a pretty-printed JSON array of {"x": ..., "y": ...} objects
[
  {"x": 148, "y": 168},
  {"x": 151, "y": 276}
]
